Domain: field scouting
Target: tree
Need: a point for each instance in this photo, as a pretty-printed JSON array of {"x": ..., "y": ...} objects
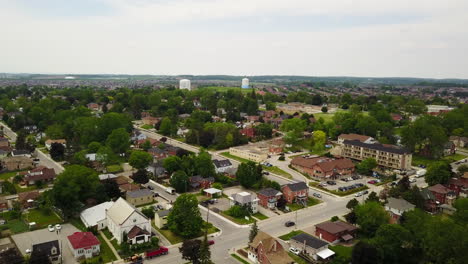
[
  {"x": 57, "y": 151},
  {"x": 462, "y": 169},
  {"x": 461, "y": 215},
  {"x": 167, "y": 128},
  {"x": 190, "y": 250},
  {"x": 248, "y": 174},
  {"x": 112, "y": 189},
  {"x": 180, "y": 181},
  {"x": 264, "y": 130},
  {"x": 352, "y": 204},
  {"x": 415, "y": 107},
  {"x": 118, "y": 141},
  {"x": 148, "y": 212},
  {"x": 205, "y": 254},
  {"x": 370, "y": 216},
  {"x": 438, "y": 173},
  {"x": 172, "y": 164},
  {"x": 94, "y": 146},
  {"x": 253, "y": 232},
  {"x": 324, "y": 109},
  {"x": 146, "y": 145},
  {"x": 140, "y": 176},
  {"x": 366, "y": 166},
  {"x": 320, "y": 138},
  {"x": 294, "y": 128},
  {"x": 394, "y": 243},
  {"x": 372, "y": 197},
  {"x": 351, "y": 217},
  {"x": 11, "y": 256},
  {"x": 185, "y": 219},
  {"x": 365, "y": 253},
  {"x": 204, "y": 165},
  {"x": 140, "y": 159}
]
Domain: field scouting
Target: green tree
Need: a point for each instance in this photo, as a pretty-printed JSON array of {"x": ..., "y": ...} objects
[
  {"x": 248, "y": 174},
  {"x": 94, "y": 146},
  {"x": 148, "y": 212},
  {"x": 461, "y": 215},
  {"x": 172, "y": 164},
  {"x": 204, "y": 165},
  {"x": 324, "y": 109},
  {"x": 55, "y": 131},
  {"x": 118, "y": 141},
  {"x": 146, "y": 145},
  {"x": 264, "y": 130},
  {"x": 205, "y": 254},
  {"x": 190, "y": 250},
  {"x": 370, "y": 216},
  {"x": 320, "y": 138},
  {"x": 438, "y": 173},
  {"x": 394, "y": 243},
  {"x": 253, "y": 232},
  {"x": 366, "y": 166},
  {"x": 352, "y": 204},
  {"x": 365, "y": 253},
  {"x": 140, "y": 159},
  {"x": 180, "y": 181},
  {"x": 167, "y": 128},
  {"x": 185, "y": 218},
  {"x": 57, "y": 151}
]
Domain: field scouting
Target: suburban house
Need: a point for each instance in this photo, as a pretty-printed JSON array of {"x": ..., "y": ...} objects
[
  {"x": 137, "y": 136},
  {"x": 222, "y": 165},
  {"x": 21, "y": 153},
  {"x": 139, "y": 197},
  {"x": 124, "y": 218},
  {"x": 460, "y": 142},
  {"x": 459, "y": 185},
  {"x": 265, "y": 249},
  {"x": 4, "y": 142},
  {"x": 3, "y": 204},
  {"x": 17, "y": 163},
  {"x": 449, "y": 148},
  {"x": 94, "y": 107},
  {"x": 150, "y": 120},
  {"x": 248, "y": 132},
  {"x": 361, "y": 138},
  {"x": 269, "y": 197},
  {"x": 153, "y": 142},
  {"x": 157, "y": 169},
  {"x": 28, "y": 199},
  {"x": 107, "y": 176},
  {"x": 323, "y": 167},
  {"x": 96, "y": 216},
  {"x": 129, "y": 187},
  {"x": 160, "y": 218},
  {"x": 49, "y": 142},
  {"x": 51, "y": 249},
  {"x": 388, "y": 156},
  {"x": 84, "y": 245},
  {"x": 158, "y": 153},
  {"x": 297, "y": 192},
  {"x": 200, "y": 182},
  {"x": 335, "y": 231},
  {"x": 430, "y": 203},
  {"x": 40, "y": 173},
  {"x": 396, "y": 208},
  {"x": 312, "y": 246},
  {"x": 245, "y": 199},
  {"x": 442, "y": 194}
]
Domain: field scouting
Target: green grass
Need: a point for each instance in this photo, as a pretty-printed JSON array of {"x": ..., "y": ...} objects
[
  {"x": 260, "y": 216},
  {"x": 228, "y": 155},
  {"x": 76, "y": 222},
  {"x": 105, "y": 253},
  {"x": 175, "y": 239},
  {"x": 241, "y": 260},
  {"x": 310, "y": 202},
  {"x": 297, "y": 259},
  {"x": 114, "y": 168},
  {"x": 288, "y": 236},
  {"x": 342, "y": 251},
  {"x": 238, "y": 220},
  {"x": 225, "y": 89},
  {"x": 419, "y": 160},
  {"x": 316, "y": 185},
  {"x": 147, "y": 126},
  {"x": 115, "y": 244},
  {"x": 42, "y": 218},
  {"x": 147, "y": 204},
  {"x": 318, "y": 153},
  {"x": 107, "y": 233},
  {"x": 25, "y": 189},
  {"x": 278, "y": 171},
  {"x": 8, "y": 175},
  {"x": 17, "y": 226}
]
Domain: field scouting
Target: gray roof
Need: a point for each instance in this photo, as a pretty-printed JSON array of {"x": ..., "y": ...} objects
[
  {"x": 243, "y": 197},
  {"x": 309, "y": 240},
  {"x": 269, "y": 192},
  {"x": 20, "y": 152},
  {"x": 400, "y": 204},
  {"x": 139, "y": 193},
  {"x": 46, "y": 247},
  {"x": 379, "y": 147},
  {"x": 222, "y": 163},
  {"x": 163, "y": 213},
  {"x": 297, "y": 186}
]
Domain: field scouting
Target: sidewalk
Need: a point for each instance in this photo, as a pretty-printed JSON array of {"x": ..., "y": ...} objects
[{"x": 110, "y": 245}]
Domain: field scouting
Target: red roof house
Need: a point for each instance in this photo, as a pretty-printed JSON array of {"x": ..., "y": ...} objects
[
  {"x": 84, "y": 244},
  {"x": 248, "y": 132},
  {"x": 40, "y": 173},
  {"x": 335, "y": 231}
]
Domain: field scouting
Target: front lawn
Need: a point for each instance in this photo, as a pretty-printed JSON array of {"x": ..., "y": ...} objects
[
  {"x": 238, "y": 220},
  {"x": 241, "y": 260},
  {"x": 288, "y": 236},
  {"x": 343, "y": 251},
  {"x": 278, "y": 171},
  {"x": 310, "y": 202},
  {"x": 175, "y": 239},
  {"x": 106, "y": 255},
  {"x": 16, "y": 226},
  {"x": 146, "y": 126},
  {"x": 297, "y": 259},
  {"x": 42, "y": 218},
  {"x": 228, "y": 155},
  {"x": 7, "y": 175},
  {"x": 20, "y": 189},
  {"x": 116, "y": 168},
  {"x": 260, "y": 216},
  {"x": 76, "y": 222}
]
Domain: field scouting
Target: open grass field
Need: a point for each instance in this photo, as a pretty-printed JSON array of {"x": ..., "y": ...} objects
[
  {"x": 228, "y": 155},
  {"x": 42, "y": 218},
  {"x": 419, "y": 160},
  {"x": 238, "y": 220},
  {"x": 342, "y": 251},
  {"x": 175, "y": 239}
]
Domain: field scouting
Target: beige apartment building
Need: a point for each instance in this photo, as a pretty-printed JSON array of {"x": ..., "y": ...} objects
[
  {"x": 389, "y": 156},
  {"x": 249, "y": 152}
]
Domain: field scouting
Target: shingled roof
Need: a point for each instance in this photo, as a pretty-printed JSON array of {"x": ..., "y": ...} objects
[{"x": 379, "y": 147}]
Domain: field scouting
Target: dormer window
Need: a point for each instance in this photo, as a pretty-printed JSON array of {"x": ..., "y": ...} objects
[{"x": 53, "y": 251}]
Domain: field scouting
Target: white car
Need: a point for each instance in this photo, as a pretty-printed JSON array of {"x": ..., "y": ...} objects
[
  {"x": 412, "y": 180},
  {"x": 51, "y": 228},
  {"x": 359, "y": 194},
  {"x": 294, "y": 250},
  {"x": 28, "y": 251},
  {"x": 58, "y": 226}
]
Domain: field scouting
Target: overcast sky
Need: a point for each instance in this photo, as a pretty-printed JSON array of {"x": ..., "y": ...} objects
[{"x": 415, "y": 38}]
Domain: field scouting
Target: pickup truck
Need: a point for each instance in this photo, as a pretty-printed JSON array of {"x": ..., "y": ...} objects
[{"x": 156, "y": 253}]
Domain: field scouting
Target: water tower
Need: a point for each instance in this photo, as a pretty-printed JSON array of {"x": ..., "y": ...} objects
[
  {"x": 184, "y": 84},
  {"x": 245, "y": 83}
]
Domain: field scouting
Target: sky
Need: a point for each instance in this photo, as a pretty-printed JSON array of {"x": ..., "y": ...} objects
[{"x": 371, "y": 38}]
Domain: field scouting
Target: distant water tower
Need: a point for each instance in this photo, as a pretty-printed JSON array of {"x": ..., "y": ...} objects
[
  {"x": 184, "y": 84},
  {"x": 245, "y": 83}
]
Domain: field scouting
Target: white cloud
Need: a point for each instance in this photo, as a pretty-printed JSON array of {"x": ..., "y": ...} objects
[{"x": 137, "y": 39}]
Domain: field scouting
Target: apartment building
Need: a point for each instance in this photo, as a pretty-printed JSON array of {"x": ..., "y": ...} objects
[
  {"x": 249, "y": 152},
  {"x": 389, "y": 156}
]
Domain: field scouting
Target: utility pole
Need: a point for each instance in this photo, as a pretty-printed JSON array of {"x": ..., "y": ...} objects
[{"x": 295, "y": 226}]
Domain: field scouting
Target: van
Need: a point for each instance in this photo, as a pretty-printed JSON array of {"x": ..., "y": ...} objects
[{"x": 170, "y": 190}]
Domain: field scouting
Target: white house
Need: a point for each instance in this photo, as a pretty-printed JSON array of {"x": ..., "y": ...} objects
[
  {"x": 84, "y": 245},
  {"x": 222, "y": 166},
  {"x": 49, "y": 142},
  {"x": 96, "y": 215},
  {"x": 245, "y": 198},
  {"x": 124, "y": 218}
]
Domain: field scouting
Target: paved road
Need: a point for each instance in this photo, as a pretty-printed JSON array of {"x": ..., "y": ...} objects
[
  {"x": 47, "y": 161},
  {"x": 8, "y": 132}
]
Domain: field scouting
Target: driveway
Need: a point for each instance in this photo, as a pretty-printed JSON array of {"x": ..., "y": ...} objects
[{"x": 26, "y": 240}]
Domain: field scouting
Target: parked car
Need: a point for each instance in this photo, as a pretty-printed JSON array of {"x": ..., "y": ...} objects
[
  {"x": 358, "y": 194},
  {"x": 155, "y": 194},
  {"x": 156, "y": 253},
  {"x": 372, "y": 182},
  {"x": 331, "y": 182},
  {"x": 211, "y": 242},
  {"x": 318, "y": 195},
  {"x": 365, "y": 192},
  {"x": 295, "y": 251},
  {"x": 170, "y": 190},
  {"x": 28, "y": 251},
  {"x": 355, "y": 177},
  {"x": 58, "y": 227},
  {"x": 350, "y": 179},
  {"x": 322, "y": 184},
  {"x": 265, "y": 173},
  {"x": 412, "y": 180},
  {"x": 150, "y": 187},
  {"x": 289, "y": 224},
  {"x": 51, "y": 228}
]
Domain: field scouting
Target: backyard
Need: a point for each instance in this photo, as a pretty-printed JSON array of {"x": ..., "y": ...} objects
[
  {"x": 238, "y": 220},
  {"x": 175, "y": 239},
  {"x": 310, "y": 202},
  {"x": 42, "y": 218}
]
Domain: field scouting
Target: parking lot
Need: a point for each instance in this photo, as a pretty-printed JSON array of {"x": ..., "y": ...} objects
[
  {"x": 342, "y": 183},
  {"x": 26, "y": 240}
]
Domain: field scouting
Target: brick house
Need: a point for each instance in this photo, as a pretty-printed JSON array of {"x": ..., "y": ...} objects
[
  {"x": 276, "y": 146},
  {"x": 442, "y": 194},
  {"x": 269, "y": 113},
  {"x": 248, "y": 132},
  {"x": 49, "y": 142},
  {"x": 429, "y": 200},
  {"x": 268, "y": 197},
  {"x": 323, "y": 167},
  {"x": 150, "y": 120},
  {"x": 4, "y": 142},
  {"x": 27, "y": 199},
  {"x": 335, "y": 231},
  {"x": 17, "y": 163},
  {"x": 297, "y": 192},
  {"x": 152, "y": 141},
  {"x": 40, "y": 173},
  {"x": 84, "y": 245},
  {"x": 459, "y": 185},
  {"x": 200, "y": 182},
  {"x": 139, "y": 197},
  {"x": 396, "y": 208},
  {"x": 158, "y": 153},
  {"x": 93, "y": 107},
  {"x": 265, "y": 249},
  {"x": 3, "y": 204}
]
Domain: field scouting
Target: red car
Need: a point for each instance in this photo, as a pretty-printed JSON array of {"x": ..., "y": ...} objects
[
  {"x": 211, "y": 242},
  {"x": 372, "y": 182},
  {"x": 156, "y": 253}
]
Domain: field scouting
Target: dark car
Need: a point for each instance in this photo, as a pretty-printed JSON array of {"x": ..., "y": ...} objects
[
  {"x": 355, "y": 177},
  {"x": 150, "y": 187},
  {"x": 155, "y": 194},
  {"x": 331, "y": 182},
  {"x": 289, "y": 224},
  {"x": 265, "y": 173},
  {"x": 211, "y": 242}
]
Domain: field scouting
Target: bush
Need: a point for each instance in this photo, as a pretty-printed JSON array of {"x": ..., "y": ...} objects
[
  {"x": 282, "y": 158},
  {"x": 238, "y": 211},
  {"x": 335, "y": 218}
]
